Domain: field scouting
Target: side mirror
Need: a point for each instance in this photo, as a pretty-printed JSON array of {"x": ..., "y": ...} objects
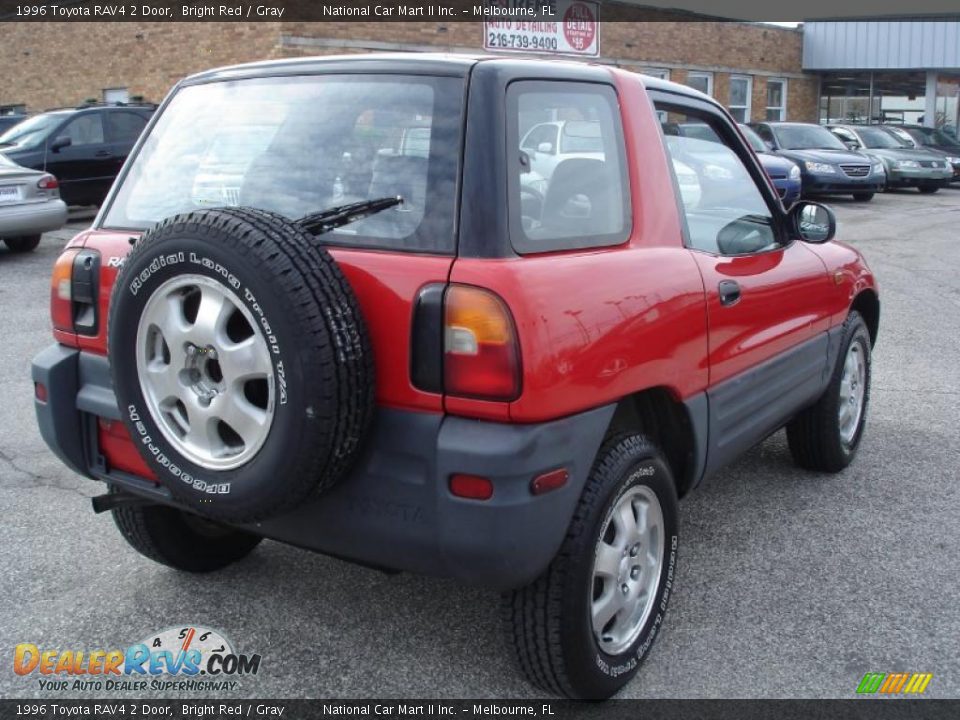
[
  {"x": 59, "y": 143},
  {"x": 813, "y": 222},
  {"x": 545, "y": 147}
]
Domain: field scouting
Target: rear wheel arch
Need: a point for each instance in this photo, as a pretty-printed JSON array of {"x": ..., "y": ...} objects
[
  {"x": 867, "y": 303},
  {"x": 659, "y": 415}
]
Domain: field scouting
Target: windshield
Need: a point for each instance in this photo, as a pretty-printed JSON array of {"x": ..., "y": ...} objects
[
  {"x": 932, "y": 136},
  {"x": 878, "y": 139},
  {"x": 301, "y": 145},
  {"x": 31, "y": 131},
  {"x": 806, "y": 137},
  {"x": 753, "y": 139}
]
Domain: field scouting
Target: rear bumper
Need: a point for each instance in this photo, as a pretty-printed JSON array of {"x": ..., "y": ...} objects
[
  {"x": 395, "y": 510},
  {"x": 32, "y": 218}
]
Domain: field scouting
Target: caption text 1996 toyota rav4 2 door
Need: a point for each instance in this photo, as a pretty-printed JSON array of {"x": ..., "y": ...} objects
[{"x": 345, "y": 304}]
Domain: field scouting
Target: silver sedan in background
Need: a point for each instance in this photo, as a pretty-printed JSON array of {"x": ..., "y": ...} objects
[{"x": 30, "y": 205}]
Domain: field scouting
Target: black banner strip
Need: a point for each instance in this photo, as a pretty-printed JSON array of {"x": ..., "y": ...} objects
[{"x": 214, "y": 709}]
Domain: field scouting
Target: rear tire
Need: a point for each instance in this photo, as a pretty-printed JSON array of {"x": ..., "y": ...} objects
[
  {"x": 822, "y": 437},
  {"x": 180, "y": 540},
  {"x": 22, "y": 244},
  {"x": 928, "y": 189},
  {"x": 551, "y": 623},
  {"x": 863, "y": 196}
]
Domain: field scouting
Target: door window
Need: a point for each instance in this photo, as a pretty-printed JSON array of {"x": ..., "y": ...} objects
[
  {"x": 125, "y": 126},
  {"x": 84, "y": 130},
  {"x": 725, "y": 210}
]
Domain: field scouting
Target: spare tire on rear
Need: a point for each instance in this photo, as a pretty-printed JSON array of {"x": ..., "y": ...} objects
[{"x": 241, "y": 362}]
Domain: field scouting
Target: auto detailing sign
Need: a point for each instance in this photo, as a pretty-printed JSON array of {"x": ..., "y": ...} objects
[{"x": 563, "y": 27}]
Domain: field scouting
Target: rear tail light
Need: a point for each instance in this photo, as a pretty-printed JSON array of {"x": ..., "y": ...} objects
[
  {"x": 73, "y": 291},
  {"x": 61, "y": 297},
  {"x": 481, "y": 352},
  {"x": 48, "y": 182}
]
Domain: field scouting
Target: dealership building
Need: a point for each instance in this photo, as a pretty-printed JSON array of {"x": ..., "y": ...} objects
[{"x": 891, "y": 70}]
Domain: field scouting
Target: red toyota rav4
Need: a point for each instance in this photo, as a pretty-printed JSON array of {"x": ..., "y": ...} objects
[{"x": 471, "y": 317}]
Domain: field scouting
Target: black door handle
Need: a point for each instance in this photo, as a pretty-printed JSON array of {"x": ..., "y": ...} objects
[{"x": 729, "y": 292}]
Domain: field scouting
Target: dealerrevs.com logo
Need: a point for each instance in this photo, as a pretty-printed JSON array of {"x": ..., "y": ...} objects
[{"x": 187, "y": 658}]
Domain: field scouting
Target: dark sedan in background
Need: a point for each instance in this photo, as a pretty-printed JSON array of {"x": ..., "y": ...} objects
[
  {"x": 931, "y": 139},
  {"x": 827, "y": 167},
  {"x": 784, "y": 173},
  {"x": 906, "y": 166},
  {"x": 84, "y": 147}
]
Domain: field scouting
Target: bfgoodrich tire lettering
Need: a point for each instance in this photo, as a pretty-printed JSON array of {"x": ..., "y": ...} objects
[
  {"x": 318, "y": 387},
  {"x": 817, "y": 437},
  {"x": 550, "y": 624}
]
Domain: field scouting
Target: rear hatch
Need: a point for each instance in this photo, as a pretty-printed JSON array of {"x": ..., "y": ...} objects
[{"x": 297, "y": 145}]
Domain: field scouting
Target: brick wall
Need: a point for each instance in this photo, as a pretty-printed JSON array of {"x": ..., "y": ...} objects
[
  {"x": 65, "y": 63},
  {"x": 55, "y": 64}
]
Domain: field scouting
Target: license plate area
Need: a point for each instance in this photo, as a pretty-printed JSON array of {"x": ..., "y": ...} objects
[{"x": 9, "y": 193}]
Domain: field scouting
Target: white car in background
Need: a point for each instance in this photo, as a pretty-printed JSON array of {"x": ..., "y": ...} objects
[
  {"x": 30, "y": 205},
  {"x": 550, "y": 143}
]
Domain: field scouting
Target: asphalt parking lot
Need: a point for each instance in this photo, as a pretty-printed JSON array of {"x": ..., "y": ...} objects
[{"x": 790, "y": 584}]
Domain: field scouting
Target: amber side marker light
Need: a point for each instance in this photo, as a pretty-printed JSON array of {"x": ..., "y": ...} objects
[
  {"x": 40, "y": 392},
  {"x": 481, "y": 352}
]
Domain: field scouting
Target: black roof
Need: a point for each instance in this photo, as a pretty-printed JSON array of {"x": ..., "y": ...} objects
[{"x": 451, "y": 64}]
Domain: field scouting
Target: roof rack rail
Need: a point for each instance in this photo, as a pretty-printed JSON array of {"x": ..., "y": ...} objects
[{"x": 98, "y": 103}]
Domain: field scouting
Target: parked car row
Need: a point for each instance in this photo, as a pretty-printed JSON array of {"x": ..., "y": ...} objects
[
  {"x": 59, "y": 158},
  {"x": 861, "y": 160},
  {"x": 84, "y": 147}
]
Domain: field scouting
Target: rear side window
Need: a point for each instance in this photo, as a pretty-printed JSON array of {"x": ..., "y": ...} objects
[
  {"x": 124, "y": 126},
  {"x": 568, "y": 177},
  {"x": 300, "y": 145}
]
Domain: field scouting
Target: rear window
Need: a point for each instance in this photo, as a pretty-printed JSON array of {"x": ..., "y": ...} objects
[
  {"x": 573, "y": 193},
  {"x": 299, "y": 145}
]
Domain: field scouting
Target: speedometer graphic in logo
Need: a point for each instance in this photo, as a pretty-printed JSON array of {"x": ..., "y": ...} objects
[{"x": 181, "y": 640}]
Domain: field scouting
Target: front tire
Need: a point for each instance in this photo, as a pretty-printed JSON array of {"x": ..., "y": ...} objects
[
  {"x": 582, "y": 629},
  {"x": 180, "y": 540},
  {"x": 22, "y": 244},
  {"x": 825, "y": 437},
  {"x": 863, "y": 196},
  {"x": 928, "y": 189}
]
